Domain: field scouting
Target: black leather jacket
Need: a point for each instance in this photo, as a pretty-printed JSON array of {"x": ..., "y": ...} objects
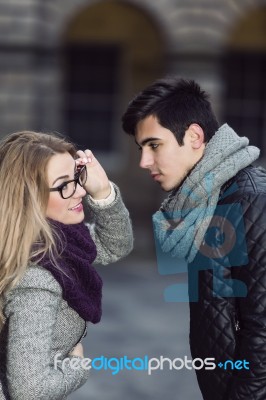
[{"x": 227, "y": 288}]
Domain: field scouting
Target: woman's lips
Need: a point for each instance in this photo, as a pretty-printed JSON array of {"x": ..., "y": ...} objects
[{"x": 77, "y": 208}]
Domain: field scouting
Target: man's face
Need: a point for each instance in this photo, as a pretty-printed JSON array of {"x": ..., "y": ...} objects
[{"x": 168, "y": 162}]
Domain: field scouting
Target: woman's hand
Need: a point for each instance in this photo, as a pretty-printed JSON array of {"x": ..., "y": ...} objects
[
  {"x": 97, "y": 184},
  {"x": 77, "y": 351}
]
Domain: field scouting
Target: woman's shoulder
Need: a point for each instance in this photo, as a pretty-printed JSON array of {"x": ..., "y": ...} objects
[
  {"x": 36, "y": 288},
  {"x": 39, "y": 278}
]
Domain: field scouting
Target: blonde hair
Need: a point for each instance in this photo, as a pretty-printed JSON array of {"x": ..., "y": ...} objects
[{"x": 24, "y": 195}]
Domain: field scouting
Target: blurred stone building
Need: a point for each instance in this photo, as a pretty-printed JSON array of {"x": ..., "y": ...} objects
[{"x": 72, "y": 65}]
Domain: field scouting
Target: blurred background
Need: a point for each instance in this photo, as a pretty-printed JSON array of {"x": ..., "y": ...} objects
[{"x": 71, "y": 66}]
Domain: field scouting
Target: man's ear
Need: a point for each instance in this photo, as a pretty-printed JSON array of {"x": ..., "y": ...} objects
[{"x": 196, "y": 136}]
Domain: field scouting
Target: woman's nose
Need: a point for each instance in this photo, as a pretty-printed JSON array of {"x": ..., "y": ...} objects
[{"x": 80, "y": 191}]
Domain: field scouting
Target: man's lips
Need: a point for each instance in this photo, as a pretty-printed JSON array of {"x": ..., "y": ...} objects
[{"x": 156, "y": 176}]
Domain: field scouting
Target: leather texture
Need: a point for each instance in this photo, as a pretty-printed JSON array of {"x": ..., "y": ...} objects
[{"x": 228, "y": 292}]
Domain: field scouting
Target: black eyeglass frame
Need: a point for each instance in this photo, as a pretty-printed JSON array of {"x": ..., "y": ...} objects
[{"x": 76, "y": 181}]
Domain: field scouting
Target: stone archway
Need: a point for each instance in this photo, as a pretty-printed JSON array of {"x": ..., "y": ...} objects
[
  {"x": 131, "y": 38},
  {"x": 112, "y": 49}
]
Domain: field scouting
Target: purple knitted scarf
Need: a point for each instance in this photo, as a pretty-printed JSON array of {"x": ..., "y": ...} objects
[{"x": 83, "y": 288}]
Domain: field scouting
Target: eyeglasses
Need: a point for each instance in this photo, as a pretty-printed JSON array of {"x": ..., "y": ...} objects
[{"x": 68, "y": 188}]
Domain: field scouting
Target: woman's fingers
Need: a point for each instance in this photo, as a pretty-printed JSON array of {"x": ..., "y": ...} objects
[{"x": 84, "y": 156}]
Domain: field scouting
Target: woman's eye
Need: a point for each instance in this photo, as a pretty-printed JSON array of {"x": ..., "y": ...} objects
[{"x": 64, "y": 187}]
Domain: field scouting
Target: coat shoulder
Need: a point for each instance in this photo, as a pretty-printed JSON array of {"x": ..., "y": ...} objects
[
  {"x": 250, "y": 181},
  {"x": 36, "y": 278}
]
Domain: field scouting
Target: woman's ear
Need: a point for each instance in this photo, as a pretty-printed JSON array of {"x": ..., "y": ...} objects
[{"x": 196, "y": 136}]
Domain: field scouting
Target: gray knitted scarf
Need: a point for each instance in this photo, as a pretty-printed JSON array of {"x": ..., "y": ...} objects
[{"x": 184, "y": 217}]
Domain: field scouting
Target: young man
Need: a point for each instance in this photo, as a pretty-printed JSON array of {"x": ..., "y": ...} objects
[{"x": 215, "y": 219}]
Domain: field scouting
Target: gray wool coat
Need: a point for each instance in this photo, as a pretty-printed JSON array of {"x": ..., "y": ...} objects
[{"x": 39, "y": 323}]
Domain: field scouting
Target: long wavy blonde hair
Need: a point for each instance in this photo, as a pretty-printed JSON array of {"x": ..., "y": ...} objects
[{"x": 24, "y": 197}]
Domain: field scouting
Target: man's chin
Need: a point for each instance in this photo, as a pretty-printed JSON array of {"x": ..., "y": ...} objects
[
  {"x": 169, "y": 188},
  {"x": 166, "y": 188}
]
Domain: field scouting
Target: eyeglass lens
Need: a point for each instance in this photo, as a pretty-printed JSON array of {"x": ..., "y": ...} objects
[{"x": 69, "y": 188}]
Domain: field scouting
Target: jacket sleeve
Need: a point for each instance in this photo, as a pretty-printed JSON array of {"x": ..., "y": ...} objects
[
  {"x": 250, "y": 382},
  {"x": 31, "y": 310},
  {"x": 111, "y": 229}
]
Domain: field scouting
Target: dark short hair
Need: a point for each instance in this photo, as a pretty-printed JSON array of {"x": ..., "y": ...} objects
[{"x": 176, "y": 103}]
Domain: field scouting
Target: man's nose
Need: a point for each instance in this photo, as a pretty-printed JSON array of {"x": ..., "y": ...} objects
[{"x": 146, "y": 160}]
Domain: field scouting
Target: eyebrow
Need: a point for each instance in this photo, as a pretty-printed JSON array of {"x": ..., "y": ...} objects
[
  {"x": 60, "y": 177},
  {"x": 145, "y": 141},
  {"x": 65, "y": 176}
]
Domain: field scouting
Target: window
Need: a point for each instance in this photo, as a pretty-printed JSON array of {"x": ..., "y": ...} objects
[
  {"x": 91, "y": 95},
  {"x": 245, "y": 96}
]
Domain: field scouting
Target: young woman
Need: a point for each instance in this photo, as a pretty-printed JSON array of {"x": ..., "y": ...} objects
[{"x": 48, "y": 286}]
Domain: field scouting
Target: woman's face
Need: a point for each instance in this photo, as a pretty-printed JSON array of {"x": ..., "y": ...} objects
[{"x": 61, "y": 168}]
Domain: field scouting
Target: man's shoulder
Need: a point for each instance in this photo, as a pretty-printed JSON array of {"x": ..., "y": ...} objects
[
  {"x": 248, "y": 181},
  {"x": 252, "y": 179}
]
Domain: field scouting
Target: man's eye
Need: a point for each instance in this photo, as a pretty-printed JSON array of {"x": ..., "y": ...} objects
[{"x": 154, "y": 145}]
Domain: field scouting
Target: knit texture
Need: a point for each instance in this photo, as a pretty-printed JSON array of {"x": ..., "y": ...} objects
[
  {"x": 184, "y": 217},
  {"x": 40, "y": 323},
  {"x": 81, "y": 284}
]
